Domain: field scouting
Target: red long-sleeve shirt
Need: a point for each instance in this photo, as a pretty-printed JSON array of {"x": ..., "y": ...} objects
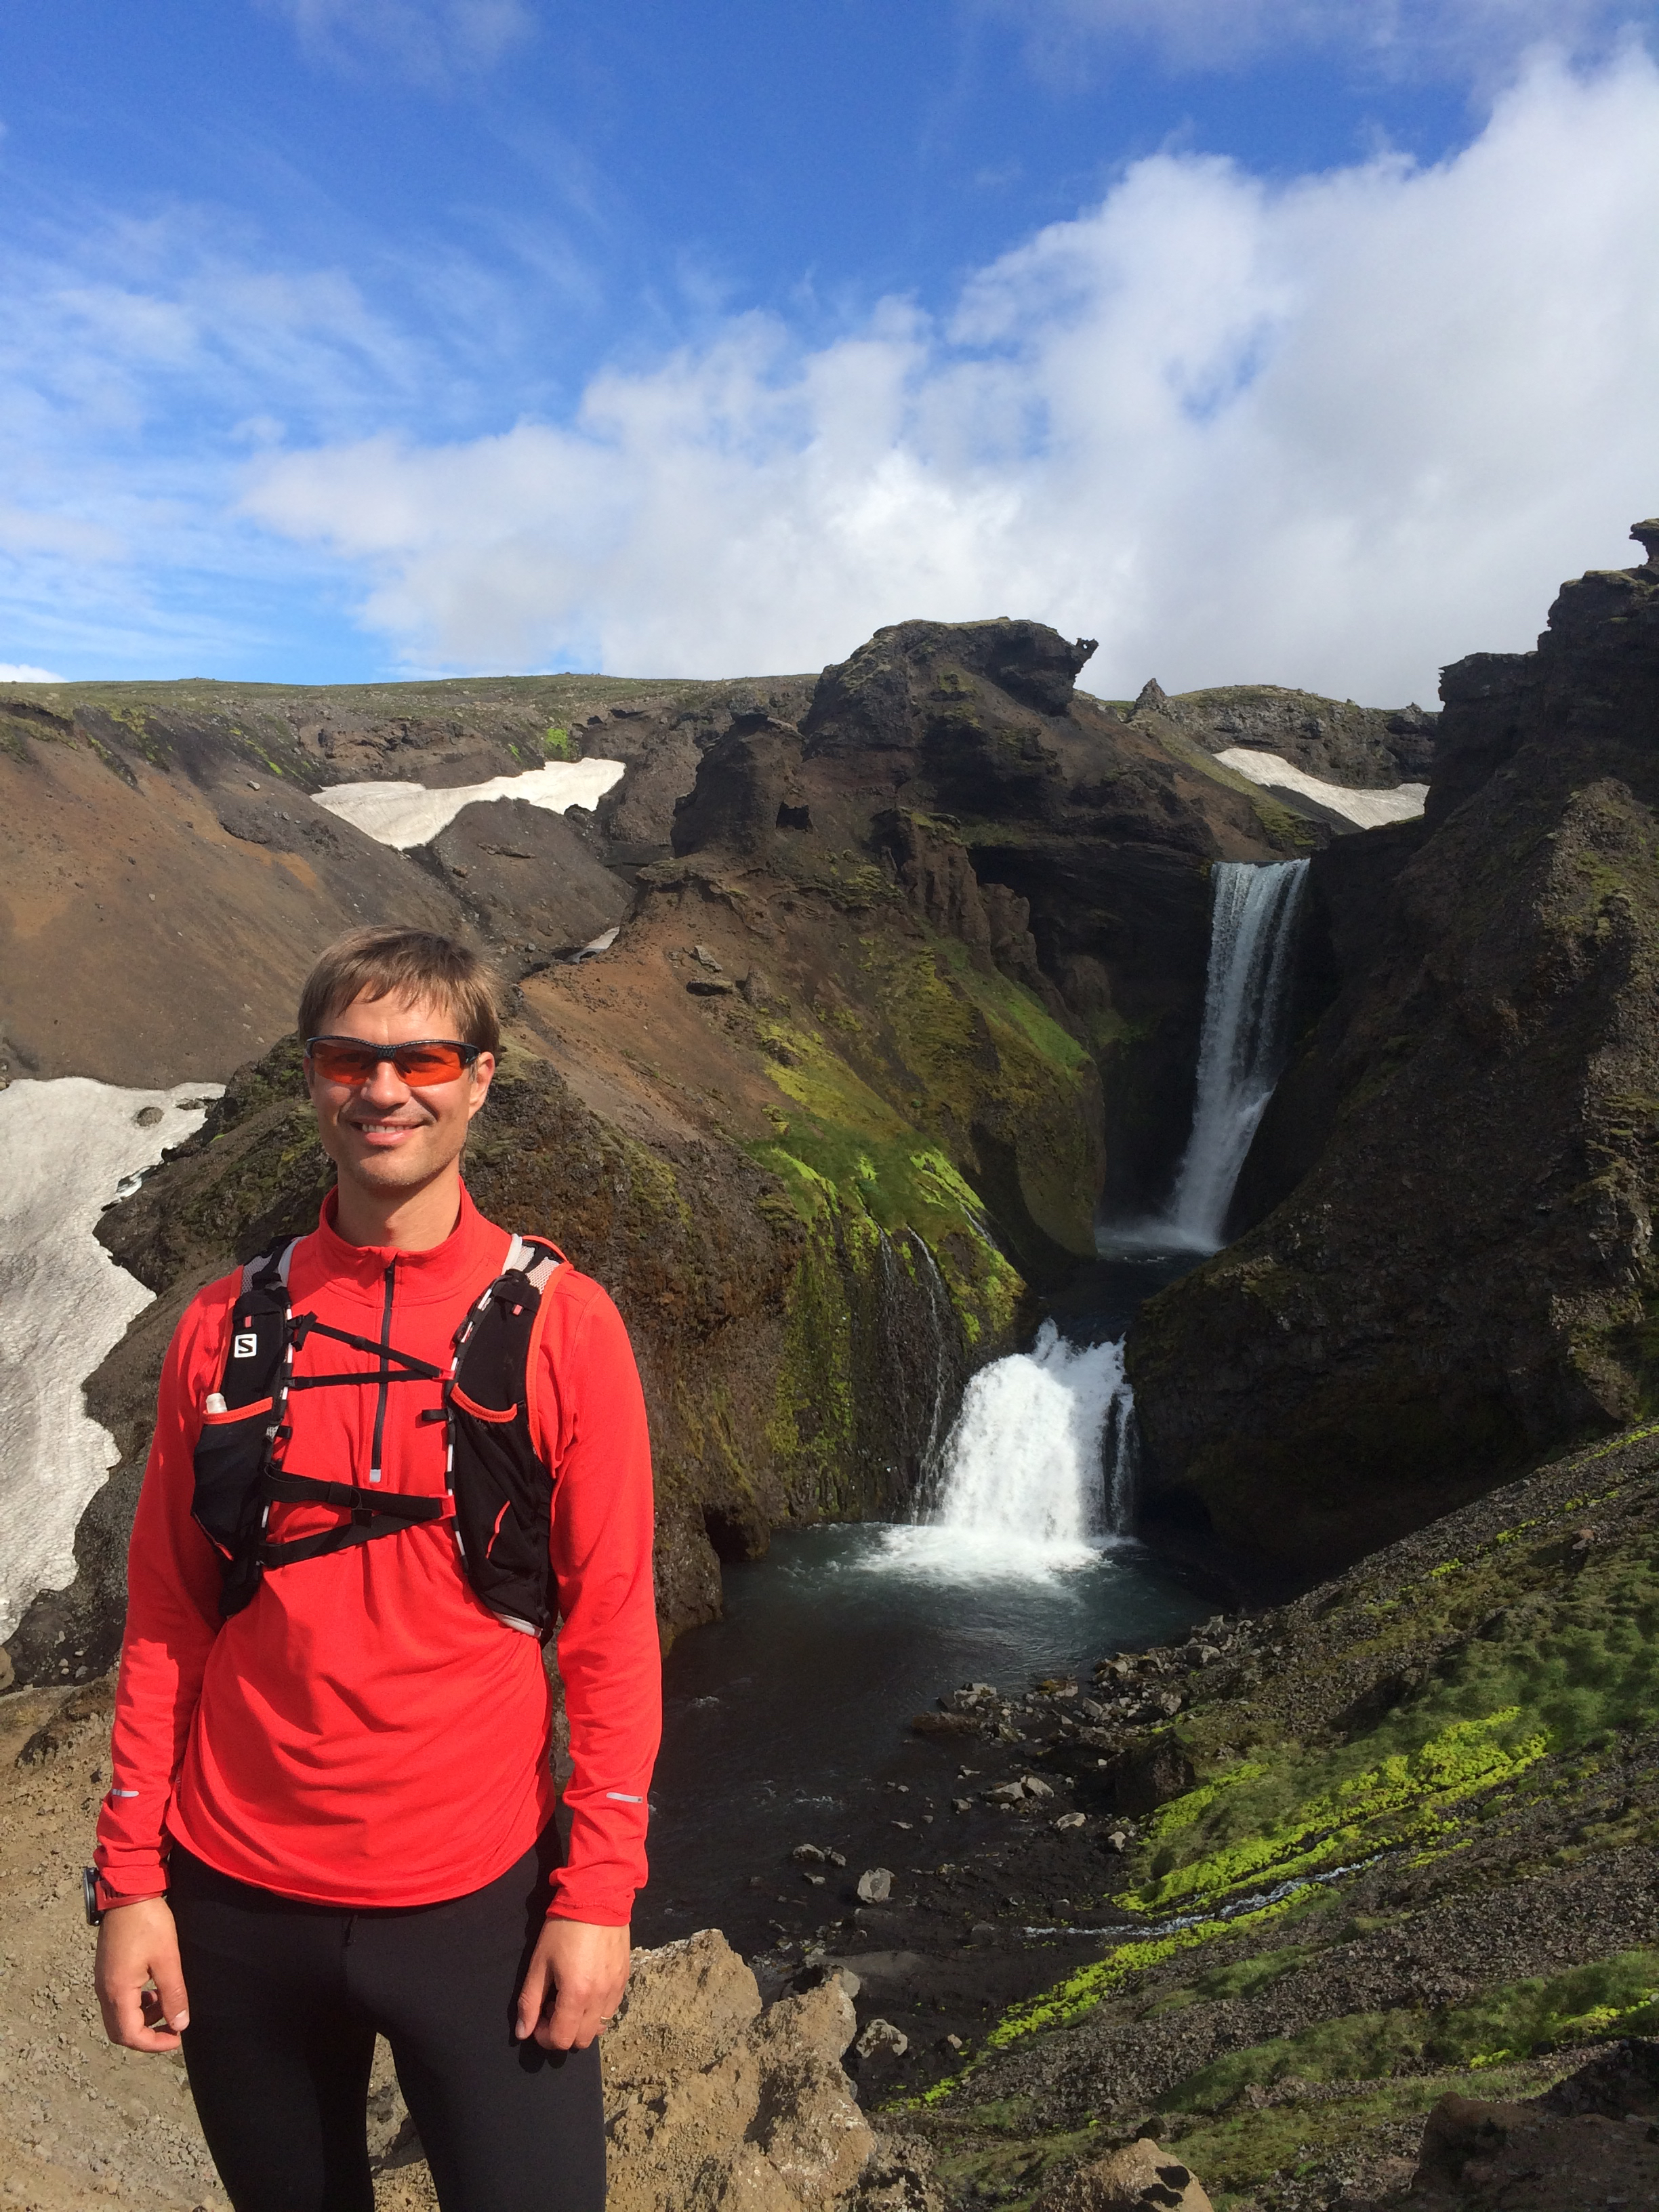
[{"x": 365, "y": 1732}]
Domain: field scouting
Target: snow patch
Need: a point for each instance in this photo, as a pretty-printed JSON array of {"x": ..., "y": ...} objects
[
  {"x": 68, "y": 1146},
  {"x": 406, "y": 814},
  {"x": 1366, "y": 810}
]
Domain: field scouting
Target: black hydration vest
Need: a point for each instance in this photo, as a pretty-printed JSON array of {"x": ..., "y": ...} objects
[{"x": 498, "y": 1492}]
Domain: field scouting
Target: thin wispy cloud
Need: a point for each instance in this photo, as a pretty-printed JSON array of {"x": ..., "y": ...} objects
[
  {"x": 431, "y": 42},
  {"x": 1478, "y": 39},
  {"x": 17, "y": 671},
  {"x": 1332, "y": 434}
]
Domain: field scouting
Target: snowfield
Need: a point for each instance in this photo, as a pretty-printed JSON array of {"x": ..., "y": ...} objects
[
  {"x": 1366, "y": 810},
  {"x": 68, "y": 1146},
  {"x": 406, "y": 814}
]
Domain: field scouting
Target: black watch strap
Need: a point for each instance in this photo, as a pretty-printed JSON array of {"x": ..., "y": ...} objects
[{"x": 89, "y": 1897}]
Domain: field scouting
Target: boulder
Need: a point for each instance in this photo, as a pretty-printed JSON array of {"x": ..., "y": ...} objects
[
  {"x": 1140, "y": 2177},
  {"x": 711, "y": 2100},
  {"x": 1589, "y": 2141}
]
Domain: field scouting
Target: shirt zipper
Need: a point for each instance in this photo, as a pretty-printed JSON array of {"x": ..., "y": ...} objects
[{"x": 384, "y": 1390}]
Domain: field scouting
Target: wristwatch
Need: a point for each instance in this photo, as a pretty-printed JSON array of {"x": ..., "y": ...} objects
[{"x": 89, "y": 1897}]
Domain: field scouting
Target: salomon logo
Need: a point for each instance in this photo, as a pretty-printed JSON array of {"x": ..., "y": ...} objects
[{"x": 244, "y": 1347}]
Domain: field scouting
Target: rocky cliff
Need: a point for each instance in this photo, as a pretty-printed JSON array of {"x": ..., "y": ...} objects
[
  {"x": 1365, "y": 748},
  {"x": 1456, "y": 1272}
]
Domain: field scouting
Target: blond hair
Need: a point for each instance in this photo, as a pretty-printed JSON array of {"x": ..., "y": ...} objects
[{"x": 409, "y": 964}]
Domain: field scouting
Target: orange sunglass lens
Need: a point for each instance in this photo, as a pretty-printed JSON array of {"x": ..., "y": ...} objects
[
  {"x": 418, "y": 1065},
  {"x": 430, "y": 1063}
]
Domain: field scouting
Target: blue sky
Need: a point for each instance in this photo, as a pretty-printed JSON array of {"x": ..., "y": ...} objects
[{"x": 1290, "y": 340}]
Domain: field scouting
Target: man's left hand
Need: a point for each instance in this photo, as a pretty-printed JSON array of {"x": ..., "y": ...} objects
[{"x": 573, "y": 1983}]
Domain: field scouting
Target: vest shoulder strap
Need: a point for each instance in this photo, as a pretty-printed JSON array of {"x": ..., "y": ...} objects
[
  {"x": 504, "y": 1490},
  {"x": 268, "y": 1270}
]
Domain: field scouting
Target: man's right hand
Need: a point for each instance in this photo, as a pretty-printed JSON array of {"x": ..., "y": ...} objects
[{"x": 139, "y": 1982}]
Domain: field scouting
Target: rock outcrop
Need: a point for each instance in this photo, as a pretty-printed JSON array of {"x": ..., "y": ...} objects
[
  {"x": 1140, "y": 2177},
  {"x": 1590, "y": 2141},
  {"x": 1366, "y": 748},
  {"x": 1461, "y": 1276},
  {"x": 711, "y": 2099}
]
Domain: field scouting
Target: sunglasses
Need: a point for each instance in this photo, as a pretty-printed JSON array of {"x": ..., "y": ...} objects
[{"x": 421, "y": 1063}]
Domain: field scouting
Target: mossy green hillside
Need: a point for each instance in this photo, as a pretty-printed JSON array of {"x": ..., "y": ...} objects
[
  {"x": 994, "y": 2154},
  {"x": 1558, "y": 1673},
  {"x": 942, "y": 1099},
  {"x": 1510, "y": 2021}
]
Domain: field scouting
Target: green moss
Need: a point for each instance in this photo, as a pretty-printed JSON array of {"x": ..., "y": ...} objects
[
  {"x": 1512, "y": 2021},
  {"x": 559, "y": 744},
  {"x": 1402, "y": 1800},
  {"x": 1082, "y": 1991},
  {"x": 1560, "y": 1674}
]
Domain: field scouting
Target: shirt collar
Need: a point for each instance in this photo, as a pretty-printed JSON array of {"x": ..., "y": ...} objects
[{"x": 439, "y": 1272}]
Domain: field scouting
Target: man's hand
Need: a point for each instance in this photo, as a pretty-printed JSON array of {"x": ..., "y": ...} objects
[
  {"x": 140, "y": 1982},
  {"x": 573, "y": 1983}
]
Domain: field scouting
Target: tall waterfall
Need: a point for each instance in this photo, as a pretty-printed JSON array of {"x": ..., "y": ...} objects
[{"x": 1240, "y": 1052}]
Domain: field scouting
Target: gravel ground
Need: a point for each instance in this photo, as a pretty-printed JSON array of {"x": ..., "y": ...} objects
[{"x": 81, "y": 2122}]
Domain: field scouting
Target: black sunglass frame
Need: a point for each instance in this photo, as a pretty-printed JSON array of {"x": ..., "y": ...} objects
[{"x": 469, "y": 1052}]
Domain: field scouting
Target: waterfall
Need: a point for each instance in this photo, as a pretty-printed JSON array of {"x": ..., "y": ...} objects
[
  {"x": 1037, "y": 1472},
  {"x": 939, "y": 1316},
  {"x": 1240, "y": 1052}
]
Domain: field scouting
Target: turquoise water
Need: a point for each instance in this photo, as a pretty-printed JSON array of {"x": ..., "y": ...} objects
[{"x": 786, "y": 1721}]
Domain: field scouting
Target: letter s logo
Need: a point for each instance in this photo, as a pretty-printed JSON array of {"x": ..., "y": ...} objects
[{"x": 244, "y": 1347}]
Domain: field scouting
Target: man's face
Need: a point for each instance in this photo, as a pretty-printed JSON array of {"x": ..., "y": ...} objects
[{"x": 384, "y": 1136}]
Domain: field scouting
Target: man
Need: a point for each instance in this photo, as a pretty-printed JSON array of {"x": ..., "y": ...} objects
[{"x": 331, "y": 1810}]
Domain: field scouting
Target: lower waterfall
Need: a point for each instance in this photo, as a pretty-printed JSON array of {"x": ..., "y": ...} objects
[{"x": 1037, "y": 1471}]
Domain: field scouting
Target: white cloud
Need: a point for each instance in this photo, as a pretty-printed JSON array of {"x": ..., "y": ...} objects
[
  {"x": 1400, "y": 38},
  {"x": 1332, "y": 433},
  {"x": 139, "y": 362},
  {"x": 14, "y": 672},
  {"x": 431, "y": 41}
]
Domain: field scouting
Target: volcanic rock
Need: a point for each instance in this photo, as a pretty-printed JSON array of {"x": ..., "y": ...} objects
[{"x": 1140, "y": 2177}]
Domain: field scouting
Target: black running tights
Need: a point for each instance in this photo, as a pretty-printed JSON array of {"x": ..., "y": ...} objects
[{"x": 285, "y": 2003}]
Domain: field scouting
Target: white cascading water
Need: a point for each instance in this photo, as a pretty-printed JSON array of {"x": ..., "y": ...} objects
[
  {"x": 1039, "y": 1469},
  {"x": 1240, "y": 1052},
  {"x": 1024, "y": 1488}
]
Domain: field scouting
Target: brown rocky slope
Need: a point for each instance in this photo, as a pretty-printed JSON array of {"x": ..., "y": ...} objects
[{"x": 1462, "y": 1275}]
